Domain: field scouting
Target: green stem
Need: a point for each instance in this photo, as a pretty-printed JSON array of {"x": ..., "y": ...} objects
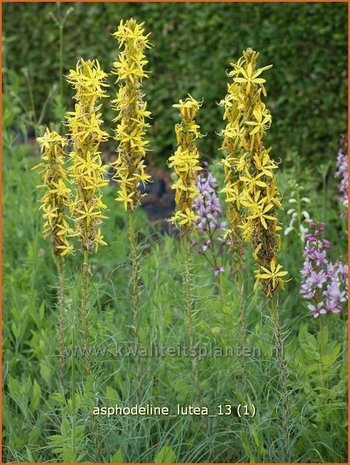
[
  {"x": 86, "y": 337},
  {"x": 61, "y": 316},
  {"x": 84, "y": 313},
  {"x": 135, "y": 279},
  {"x": 282, "y": 371},
  {"x": 324, "y": 190},
  {"x": 73, "y": 389},
  {"x": 189, "y": 310},
  {"x": 216, "y": 262},
  {"x": 61, "y": 60},
  {"x": 321, "y": 337},
  {"x": 242, "y": 328},
  {"x": 30, "y": 90}
]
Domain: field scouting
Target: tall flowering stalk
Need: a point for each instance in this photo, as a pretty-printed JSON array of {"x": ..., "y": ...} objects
[
  {"x": 298, "y": 214},
  {"x": 130, "y": 136},
  {"x": 185, "y": 162},
  {"x": 342, "y": 173},
  {"x": 54, "y": 205},
  {"x": 86, "y": 171},
  {"x": 249, "y": 163},
  {"x": 259, "y": 194},
  {"x": 234, "y": 164},
  {"x": 254, "y": 187},
  {"x": 210, "y": 228},
  {"x": 324, "y": 283}
]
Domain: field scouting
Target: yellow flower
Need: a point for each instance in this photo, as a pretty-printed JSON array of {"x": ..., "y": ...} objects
[
  {"x": 273, "y": 274},
  {"x": 88, "y": 81},
  {"x": 262, "y": 120},
  {"x": 188, "y": 108},
  {"x": 56, "y": 196},
  {"x": 261, "y": 212},
  {"x": 185, "y": 218},
  {"x": 86, "y": 171},
  {"x": 125, "y": 198},
  {"x": 253, "y": 181},
  {"x": 132, "y": 113},
  {"x": 247, "y": 230},
  {"x": 185, "y": 162},
  {"x": 249, "y": 75},
  {"x": 234, "y": 193},
  {"x": 264, "y": 164},
  {"x": 272, "y": 195}
]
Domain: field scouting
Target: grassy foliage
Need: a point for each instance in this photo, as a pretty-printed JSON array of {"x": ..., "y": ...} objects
[
  {"x": 194, "y": 45},
  {"x": 45, "y": 420}
]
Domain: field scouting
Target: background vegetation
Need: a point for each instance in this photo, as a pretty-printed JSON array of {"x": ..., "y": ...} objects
[
  {"x": 47, "y": 420},
  {"x": 194, "y": 44}
]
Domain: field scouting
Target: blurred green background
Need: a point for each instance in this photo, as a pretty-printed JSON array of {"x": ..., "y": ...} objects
[{"x": 194, "y": 44}]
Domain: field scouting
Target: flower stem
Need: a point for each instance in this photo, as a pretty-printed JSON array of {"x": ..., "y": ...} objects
[
  {"x": 61, "y": 61},
  {"x": 73, "y": 409},
  {"x": 61, "y": 317},
  {"x": 189, "y": 310},
  {"x": 242, "y": 328},
  {"x": 282, "y": 371},
  {"x": 86, "y": 337},
  {"x": 212, "y": 247},
  {"x": 84, "y": 313},
  {"x": 135, "y": 279},
  {"x": 321, "y": 337}
]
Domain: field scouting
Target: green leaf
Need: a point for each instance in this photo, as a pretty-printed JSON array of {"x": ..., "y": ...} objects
[
  {"x": 36, "y": 396},
  {"x": 258, "y": 439},
  {"x": 68, "y": 455},
  {"x": 323, "y": 336},
  {"x": 112, "y": 395},
  {"x": 246, "y": 443},
  {"x": 46, "y": 371},
  {"x": 34, "y": 434},
  {"x": 308, "y": 343},
  {"x": 331, "y": 357},
  {"x": 165, "y": 455},
  {"x": 117, "y": 457}
]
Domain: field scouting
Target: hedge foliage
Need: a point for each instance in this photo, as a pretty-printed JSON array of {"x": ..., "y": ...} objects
[{"x": 193, "y": 46}]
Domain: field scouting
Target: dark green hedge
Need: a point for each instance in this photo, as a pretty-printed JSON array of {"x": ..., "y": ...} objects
[{"x": 193, "y": 46}]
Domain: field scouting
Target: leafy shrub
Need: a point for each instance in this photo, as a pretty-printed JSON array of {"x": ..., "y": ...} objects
[{"x": 194, "y": 44}]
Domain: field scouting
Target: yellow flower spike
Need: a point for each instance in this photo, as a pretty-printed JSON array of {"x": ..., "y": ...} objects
[
  {"x": 56, "y": 196},
  {"x": 251, "y": 191},
  {"x": 185, "y": 162},
  {"x": 86, "y": 171},
  {"x": 132, "y": 145},
  {"x": 234, "y": 164},
  {"x": 132, "y": 113}
]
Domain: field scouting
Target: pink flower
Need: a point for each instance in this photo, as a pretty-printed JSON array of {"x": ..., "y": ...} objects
[
  {"x": 317, "y": 309},
  {"x": 207, "y": 207},
  {"x": 342, "y": 174},
  {"x": 217, "y": 271},
  {"x": 323, "y": 282}
]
